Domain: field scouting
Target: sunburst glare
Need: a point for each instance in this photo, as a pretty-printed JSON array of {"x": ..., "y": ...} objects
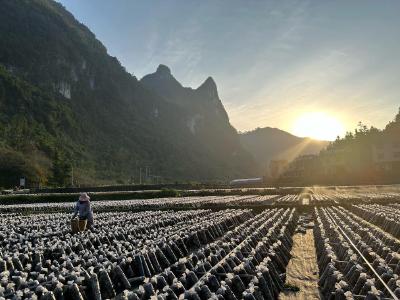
[{"x": 318, "y": 125}]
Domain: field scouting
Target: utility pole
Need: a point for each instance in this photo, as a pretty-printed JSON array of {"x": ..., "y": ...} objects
[{"x": 140, "y": 175}]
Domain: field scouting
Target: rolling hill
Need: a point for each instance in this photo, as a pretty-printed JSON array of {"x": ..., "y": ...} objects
[{"x": 266, "y": 144}]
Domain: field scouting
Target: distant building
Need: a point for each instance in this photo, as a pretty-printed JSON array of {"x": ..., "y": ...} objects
[
  {"x": 277, "y": 167},
  {"x": 247, "y": 181},
  {"x": 386, "y": 153}
]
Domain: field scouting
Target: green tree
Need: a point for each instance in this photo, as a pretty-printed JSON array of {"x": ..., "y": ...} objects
[
  {"x": 61, "y": 170},
  {"x": 14, "y": 165}
]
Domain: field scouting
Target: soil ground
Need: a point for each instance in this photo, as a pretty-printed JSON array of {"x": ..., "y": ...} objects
[{"x": 302, "y": 270}]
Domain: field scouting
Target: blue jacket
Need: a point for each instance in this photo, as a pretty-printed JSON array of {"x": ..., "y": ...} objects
[{"x": 84, "y": 210}]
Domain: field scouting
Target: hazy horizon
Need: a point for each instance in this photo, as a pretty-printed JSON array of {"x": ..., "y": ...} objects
[{"x": 272, "y": 61}]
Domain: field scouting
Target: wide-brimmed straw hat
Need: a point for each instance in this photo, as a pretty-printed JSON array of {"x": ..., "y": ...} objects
[{"x": 84, "y": 197}]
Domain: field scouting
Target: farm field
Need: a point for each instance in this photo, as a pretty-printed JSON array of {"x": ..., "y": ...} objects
[
  {"x": 313, "y": 245},
  {"x": 196, "y": 150}
]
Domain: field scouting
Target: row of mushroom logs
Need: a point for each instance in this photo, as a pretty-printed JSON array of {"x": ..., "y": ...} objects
[
  {"x": 343, "y": 272},
  {"x": 36, "y": 262}
]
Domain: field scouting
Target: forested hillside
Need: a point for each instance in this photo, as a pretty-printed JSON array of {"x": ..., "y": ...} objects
[{"x": 66, "y": 104}]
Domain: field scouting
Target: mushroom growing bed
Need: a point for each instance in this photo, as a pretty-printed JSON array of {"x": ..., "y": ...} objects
[
  {"x": 146, "y": 204},
  {"x": 230, "y": 247},
  {"x": 194, "y": 254},
  {"x": 356, "y": 259}
]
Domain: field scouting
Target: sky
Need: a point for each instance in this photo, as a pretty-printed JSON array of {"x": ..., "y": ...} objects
[{"x": 273, "y": 61}]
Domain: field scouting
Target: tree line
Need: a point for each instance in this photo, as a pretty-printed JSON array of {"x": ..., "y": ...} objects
[{"x": 351, "y": 159}]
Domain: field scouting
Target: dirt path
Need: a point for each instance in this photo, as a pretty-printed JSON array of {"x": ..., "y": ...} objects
[{"x": 302, "y": 270}]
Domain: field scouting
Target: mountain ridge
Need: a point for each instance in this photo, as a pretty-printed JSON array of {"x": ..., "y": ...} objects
[
  {"x": 268, "y": 143},
  {"x": 120, "y": 125},
  {"x": 67, "y": 104}
]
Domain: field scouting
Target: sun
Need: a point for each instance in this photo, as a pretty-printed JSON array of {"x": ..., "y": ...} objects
[{"x": 318, "y": 125}]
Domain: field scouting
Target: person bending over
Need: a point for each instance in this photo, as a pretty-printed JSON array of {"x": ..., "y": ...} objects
[{"x": 84, "y": 210}]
